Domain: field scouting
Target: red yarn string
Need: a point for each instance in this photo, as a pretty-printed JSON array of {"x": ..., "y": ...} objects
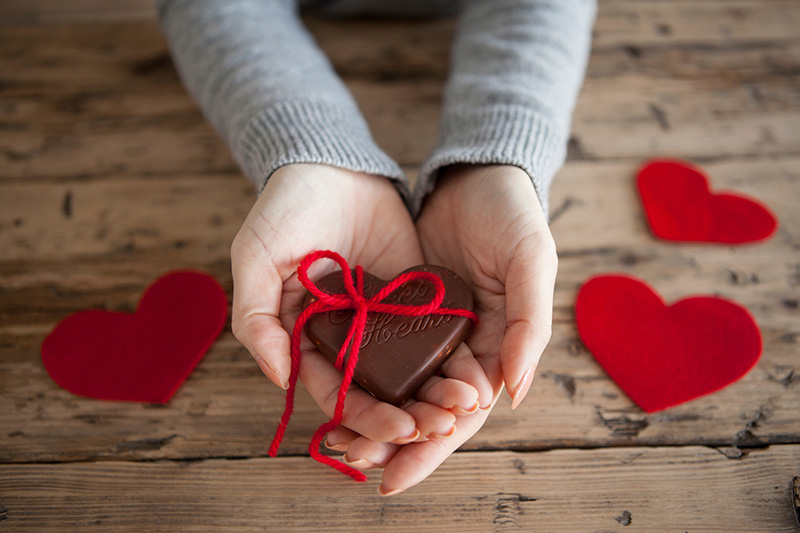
[{"x": 352, "y": 299}]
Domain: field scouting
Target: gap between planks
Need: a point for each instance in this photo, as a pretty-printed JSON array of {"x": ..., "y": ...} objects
[{"x": 571, "y": 490}]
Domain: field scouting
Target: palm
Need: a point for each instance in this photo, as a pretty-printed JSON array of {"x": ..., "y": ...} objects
[
  {"x": 485, "y": 223},
  {"x": 306, "y": 208},
  {"x": 361, "y": 217}
]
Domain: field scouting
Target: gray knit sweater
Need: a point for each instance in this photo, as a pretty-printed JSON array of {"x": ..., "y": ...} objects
[{"x": 260, "y": 79}]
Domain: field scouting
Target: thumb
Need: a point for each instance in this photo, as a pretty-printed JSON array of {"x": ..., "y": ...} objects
[
  {"x": 257, "y": 290},
  {"x": 529, "y": 288}
]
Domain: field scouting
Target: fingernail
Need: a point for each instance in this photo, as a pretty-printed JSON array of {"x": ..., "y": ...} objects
[
  {"x": 522, "y": 388},
  {"x": 406, "y": 440},
  {"x": 384, "y": 492},
  {"x": 443, "y": 435},
  {"x": 461, "y": 411},
  {"x": 361, "y": 464},
  {"x": 341, "y": 447},
  {"x": 271, "y": 373}
]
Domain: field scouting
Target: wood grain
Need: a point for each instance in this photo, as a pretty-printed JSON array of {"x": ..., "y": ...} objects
[
  {"x": 110, "y": 176},
  {"x": 227, "y": 409},
  {"x": 116, "y": 247},
  {"x": 620, "y": 22},
  {"x": 46, "y": 11},
  {"x": 706, "y": 98},
  {"x": 664, "y": 489}
]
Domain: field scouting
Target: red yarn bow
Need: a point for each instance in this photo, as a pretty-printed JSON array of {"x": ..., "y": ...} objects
[{"x": 353, "y": 299}]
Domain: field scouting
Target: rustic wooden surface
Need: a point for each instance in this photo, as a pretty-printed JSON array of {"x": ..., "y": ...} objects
[
  {"x": 558, "y": 490},
  {"x": 92, "y": 115}
]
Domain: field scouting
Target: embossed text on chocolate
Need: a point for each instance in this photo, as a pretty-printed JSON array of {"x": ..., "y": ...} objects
[{"x": 382, "y": 327}]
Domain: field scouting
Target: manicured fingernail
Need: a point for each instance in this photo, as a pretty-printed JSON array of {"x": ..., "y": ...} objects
[
  {"x": 341, "y": 447},
  {"x": 461, "y": 411},
  {"x": 406, "y": 440},
  {"x": 384, "y": 492},
  {"x": 361, "y": 464},
  {"x": 522, "y": 388},
  {"x": 443, "y": 435},
  {"x": 271, "y": 373}
]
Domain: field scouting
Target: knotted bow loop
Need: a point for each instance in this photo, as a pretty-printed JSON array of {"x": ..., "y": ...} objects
[
  {"x": 354, "y": 299},
  {"x": 347, "y": 277}
]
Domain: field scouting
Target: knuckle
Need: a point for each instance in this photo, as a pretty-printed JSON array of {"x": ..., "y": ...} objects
[
  {"x": 425, "y": 391},
  {"x": 237, "y": 325},
  {"x": 544, "y": 334},
  {"x": 328, "y": 405},
  {"x": 436, "y": 394}
]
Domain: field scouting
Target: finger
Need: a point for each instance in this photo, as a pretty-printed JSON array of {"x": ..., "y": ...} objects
[
  {"x": 463, "y": 366},
  {"x": 339, "y": 438},
  {"x": 364, "y": 453},
  {"x": 414, "y": 462},
  {"x": 433, "y": 422},
  {"x": 363, "y": 413},
  {"x": 458, "y": 396},
  {"x": 256, "y": 302},
  {"x": 529, "y": 314}
]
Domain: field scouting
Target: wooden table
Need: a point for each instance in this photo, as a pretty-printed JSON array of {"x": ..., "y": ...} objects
[{"x": 109, "y": 176}]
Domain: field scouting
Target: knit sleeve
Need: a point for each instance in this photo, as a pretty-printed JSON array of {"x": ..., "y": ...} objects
[
  {"x": 262, "y": 82},
  {"x": 516, "y": 69}
]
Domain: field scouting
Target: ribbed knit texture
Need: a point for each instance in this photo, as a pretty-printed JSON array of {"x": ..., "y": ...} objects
[
  {"x": 265, "y": 86},
  {"x": 262, "y": 82},
  {"x": 500, "y": 134},
  {"x": 516, "y": 69},
  {"x": 311, "y": 132}
]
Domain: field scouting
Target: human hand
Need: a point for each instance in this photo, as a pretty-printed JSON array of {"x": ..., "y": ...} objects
[
  {"x": 304, "y": 208},
  {"x": 486, "y": 224}
]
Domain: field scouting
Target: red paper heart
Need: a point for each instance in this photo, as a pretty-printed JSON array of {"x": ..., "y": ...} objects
[
  {"x": 680, "y": 207},
  {"x": 663, "y": 355},
  {"x": 140, "y": 357}
]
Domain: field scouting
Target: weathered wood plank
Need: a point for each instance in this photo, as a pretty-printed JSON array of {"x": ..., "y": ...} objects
[
  {"x": 619, "y": 118},
  {"x": 714, "y": 80},
  {"x": 127, "y": 112},
  {"x": 98, "y": 218},
  {"x": 80, "y": 218},
  {"x": 626, "y": 22},
  {"x": 191, "y": 221},
  {"x": 386, "y": 50},
  {"x": 651, "y": 489},
  {"x": 39, "y": 11},
  {"x": 116, "y": 248},
  {"x": 227, "y": 409},
  {"x": 619, "y": 22}
]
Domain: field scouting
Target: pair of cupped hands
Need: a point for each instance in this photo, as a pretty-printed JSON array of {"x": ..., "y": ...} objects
[{"x": 483, "y": 222}]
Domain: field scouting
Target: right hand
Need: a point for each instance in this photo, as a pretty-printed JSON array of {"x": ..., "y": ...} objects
[
  {"x": 485, "y": 223},
  {"x": 304, "y": 208}
]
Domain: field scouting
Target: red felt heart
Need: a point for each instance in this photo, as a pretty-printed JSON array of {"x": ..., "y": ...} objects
[
  {"x": 680, "y": 207},
  {"x": 663, "y": 355},
  {"x": 140, "y": 357}
]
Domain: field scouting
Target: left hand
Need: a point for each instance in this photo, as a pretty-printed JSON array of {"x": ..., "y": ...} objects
[
  {"x": 306, "y": 207},
  {"x": 486, "y": 224}
]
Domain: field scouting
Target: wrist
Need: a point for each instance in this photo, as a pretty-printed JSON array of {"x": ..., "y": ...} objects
[{"x": 332, "y": 180}]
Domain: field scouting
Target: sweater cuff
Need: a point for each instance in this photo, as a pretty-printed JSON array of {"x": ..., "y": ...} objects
[
  {"x": 312, "y": 132},
  {"x": 504, "y": 135}
]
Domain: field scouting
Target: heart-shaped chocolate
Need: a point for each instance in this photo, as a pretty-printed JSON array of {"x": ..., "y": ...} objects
[{"x": 398, "y": 353}]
